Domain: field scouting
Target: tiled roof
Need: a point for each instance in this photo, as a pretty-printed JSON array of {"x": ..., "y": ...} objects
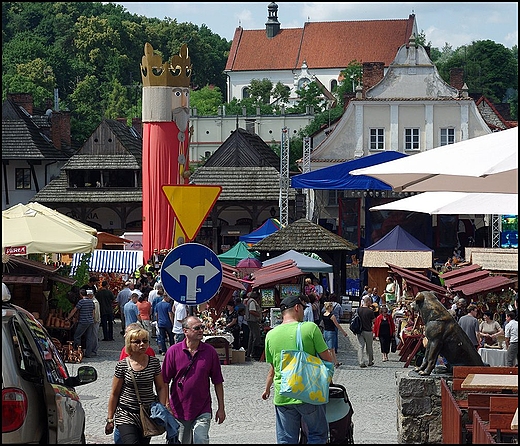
[
  {"x": 320, "y": 44},
  {"x": 22, "y": 139},
  {"x": 304, "y": 236},
  {"x": 57, "y": 191},
  {"x": 242, "y": 183}
]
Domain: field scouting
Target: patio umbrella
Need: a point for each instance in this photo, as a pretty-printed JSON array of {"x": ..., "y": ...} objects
[
  {"x": 455, "y": 203},
  {"x": 248, "y": 265},
  {"x": 29, "y": 231},
  {"x": 486, "y": 163}
]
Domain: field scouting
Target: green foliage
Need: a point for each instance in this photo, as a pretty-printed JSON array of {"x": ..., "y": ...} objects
[
  {"x": 207, "y": 100},
  {"x": 61, "y": 290},
  {"x": 260, "y": 91}
]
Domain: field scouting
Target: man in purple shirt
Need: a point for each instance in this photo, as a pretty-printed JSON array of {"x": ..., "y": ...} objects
[{"x": 190, "y": 365}]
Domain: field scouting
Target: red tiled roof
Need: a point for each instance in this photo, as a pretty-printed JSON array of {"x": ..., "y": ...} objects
[
  {"x": 460, "y": 271},
  {"x": 320, "y": 44},
  {"x": 465, "y": 278}
]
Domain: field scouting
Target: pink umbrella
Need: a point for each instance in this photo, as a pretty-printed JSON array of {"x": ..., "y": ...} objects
[{"x": 248, "y": 265}]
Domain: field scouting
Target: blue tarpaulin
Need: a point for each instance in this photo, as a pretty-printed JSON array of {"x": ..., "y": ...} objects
[
  {"x": 270, "y": 225},
  {"x": 398, "y": 240},
  {"x": 338, "y": 176}
]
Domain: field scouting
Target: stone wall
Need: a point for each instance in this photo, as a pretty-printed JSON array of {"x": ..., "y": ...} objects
[{"x": 419, "y": 416}]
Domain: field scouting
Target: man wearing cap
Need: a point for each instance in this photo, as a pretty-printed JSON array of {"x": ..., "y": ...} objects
[{"x": 291, "y": 414}]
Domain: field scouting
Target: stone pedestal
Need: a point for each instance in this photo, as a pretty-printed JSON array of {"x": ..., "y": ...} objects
[{"x": 419, "y": 417}]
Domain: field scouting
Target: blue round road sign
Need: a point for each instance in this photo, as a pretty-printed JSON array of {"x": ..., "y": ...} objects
[{"x": 191, "y": 274}]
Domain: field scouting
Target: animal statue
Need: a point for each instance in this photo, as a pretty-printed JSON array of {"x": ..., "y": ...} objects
[{"x": 444, "y": 335}]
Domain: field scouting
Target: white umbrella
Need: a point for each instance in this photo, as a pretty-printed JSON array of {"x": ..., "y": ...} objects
[
  {"x": 62, "y": 217},
  {"x": 28, "y": 231},
  {"x": 486, "y": 163},
  {"x": 455, "y": 203}
]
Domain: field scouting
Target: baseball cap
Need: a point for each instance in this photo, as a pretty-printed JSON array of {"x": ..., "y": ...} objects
[
  {"x": 290, "y": 302},
  {"x": 128, "y": 283}
]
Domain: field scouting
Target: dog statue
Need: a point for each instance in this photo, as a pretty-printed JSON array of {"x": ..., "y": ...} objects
[{"x": 444, "y": 335}]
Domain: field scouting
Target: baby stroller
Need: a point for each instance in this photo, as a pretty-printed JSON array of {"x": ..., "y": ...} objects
[{"x": 339, "y": 416}]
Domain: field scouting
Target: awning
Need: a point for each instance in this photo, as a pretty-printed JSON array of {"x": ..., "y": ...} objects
[
  {"x": 110, "y": 261},
  {"x": 338, "y": 176}
]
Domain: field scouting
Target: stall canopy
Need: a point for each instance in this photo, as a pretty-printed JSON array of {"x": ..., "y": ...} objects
[
  {"x": 305, "y": 263},
  {"x": 270, "y": 225},
  {"x": 339, "y": 177},
  {"x": 455, "y": 203},
  {"x": 110, "y": 261},
  {"x": 487, "y": 163},
  {"x": 30, "y": 231},
  {"x": 398, "y": 247},
  {"x": 235, "y": 254}
]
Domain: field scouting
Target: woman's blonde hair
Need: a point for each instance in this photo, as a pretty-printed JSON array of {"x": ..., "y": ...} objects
[
  {"x": 131, "y": 335},
  {"x": 328, "y": 304}
]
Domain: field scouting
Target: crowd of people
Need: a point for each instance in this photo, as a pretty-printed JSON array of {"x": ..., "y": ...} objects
[{"x": 182, "y": 384}]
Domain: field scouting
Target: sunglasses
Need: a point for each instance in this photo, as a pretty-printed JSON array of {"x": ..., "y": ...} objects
[
  {"x": 139, "y": 341},
  {"x": 198, "y": 327}
]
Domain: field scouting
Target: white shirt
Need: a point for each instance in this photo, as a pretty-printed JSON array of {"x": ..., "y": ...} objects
[
  {"x": 511, "y": 331},
  {"x": 180, "y": 313}
]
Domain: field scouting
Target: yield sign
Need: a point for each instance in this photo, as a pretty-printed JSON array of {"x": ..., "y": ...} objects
[{"x": 191, "y": 205}]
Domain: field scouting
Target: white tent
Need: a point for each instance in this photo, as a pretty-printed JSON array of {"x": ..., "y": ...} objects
[
  {"x": 305, "y": 263},
  {"x": 455, "y": 203},
  {"x": 29, "y": 231},
  {"x": 486, "y": 163}
]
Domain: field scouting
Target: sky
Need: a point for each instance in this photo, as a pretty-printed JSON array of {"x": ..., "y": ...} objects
[{"x": 455, "y": 23}]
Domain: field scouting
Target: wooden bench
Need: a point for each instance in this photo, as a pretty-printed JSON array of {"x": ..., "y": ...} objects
[
  {"x": 501, "y": 412},
  {"x": 461, "y": 372},
  {"x": 451, "y": 416}
]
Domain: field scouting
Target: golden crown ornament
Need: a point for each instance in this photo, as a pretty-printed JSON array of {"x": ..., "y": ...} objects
[{"x": 176, "y": 73}]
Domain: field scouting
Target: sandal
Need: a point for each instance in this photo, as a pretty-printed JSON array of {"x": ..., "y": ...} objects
[{"x": 338, "y": 364}]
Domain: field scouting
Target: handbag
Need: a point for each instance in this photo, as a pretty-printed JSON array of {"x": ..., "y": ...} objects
[
  {"x": 355, "y": 324},
  {"x": 150, "y": 427},
  {"x": 393, "y": 344},
  {"x": 305, "y": 377}
]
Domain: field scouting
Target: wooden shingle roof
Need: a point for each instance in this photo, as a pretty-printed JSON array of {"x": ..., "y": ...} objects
[
  {"x": 22, "y": 139},
  {"x": 304, "y": 236},
  {"x": 58, "y": 191},
  {"x": 242, "y": 183},
  {"x": 321, "y": 44},
  {"x": 243, "y": 149}
]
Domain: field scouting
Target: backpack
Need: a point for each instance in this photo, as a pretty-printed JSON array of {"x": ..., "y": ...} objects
[{"x": 355, "y": 324}]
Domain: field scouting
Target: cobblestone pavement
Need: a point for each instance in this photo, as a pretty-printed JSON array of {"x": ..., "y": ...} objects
[{"x": 249, "y": 419}]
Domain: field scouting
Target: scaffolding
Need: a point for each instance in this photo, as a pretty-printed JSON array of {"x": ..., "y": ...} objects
[{"x": 284, "y": 178}]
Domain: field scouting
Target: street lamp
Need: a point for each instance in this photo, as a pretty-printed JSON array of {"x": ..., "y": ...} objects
[{"x": 352, "y": 77}]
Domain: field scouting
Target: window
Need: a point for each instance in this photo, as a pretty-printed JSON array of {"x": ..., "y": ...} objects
[
  {"x": 23, "y": 178},
  {"x": 447, "y": 136},
  {"x": 377, "y": 139},
  {"x": 411, "y": 139},
  {"x": 334, "y": 197},
  {"x": 245, "y": 92}
]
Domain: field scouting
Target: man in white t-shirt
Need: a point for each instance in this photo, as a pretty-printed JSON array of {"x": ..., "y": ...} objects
[{"x": 179, "y": 313}]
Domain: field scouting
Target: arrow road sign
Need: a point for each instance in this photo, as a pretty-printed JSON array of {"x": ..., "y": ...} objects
[{"x": 191, "y": 274}]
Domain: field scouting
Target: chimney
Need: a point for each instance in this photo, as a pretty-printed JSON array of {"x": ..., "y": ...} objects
[
  {"x": 457, "y": 78},
  {"x": 272, "y": 26},
  {"x": 60, "y": 129},
  {"x": 373, "y": 72},
  {"x": 24, "y": 100}
]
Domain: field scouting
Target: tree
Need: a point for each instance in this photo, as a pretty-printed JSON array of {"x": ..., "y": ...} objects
[
  {"x": 489, "y": 68},
  {"x": 207, "y": 100}
]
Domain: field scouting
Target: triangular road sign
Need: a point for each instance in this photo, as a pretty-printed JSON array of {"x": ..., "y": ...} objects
[{"x": 191, "y": 205}]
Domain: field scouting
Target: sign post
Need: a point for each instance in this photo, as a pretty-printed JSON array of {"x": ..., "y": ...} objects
[{"x": 191, "y": 274}]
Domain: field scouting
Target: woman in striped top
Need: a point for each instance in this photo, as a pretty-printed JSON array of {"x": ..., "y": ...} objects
[{"x": 123, "y": 406}]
